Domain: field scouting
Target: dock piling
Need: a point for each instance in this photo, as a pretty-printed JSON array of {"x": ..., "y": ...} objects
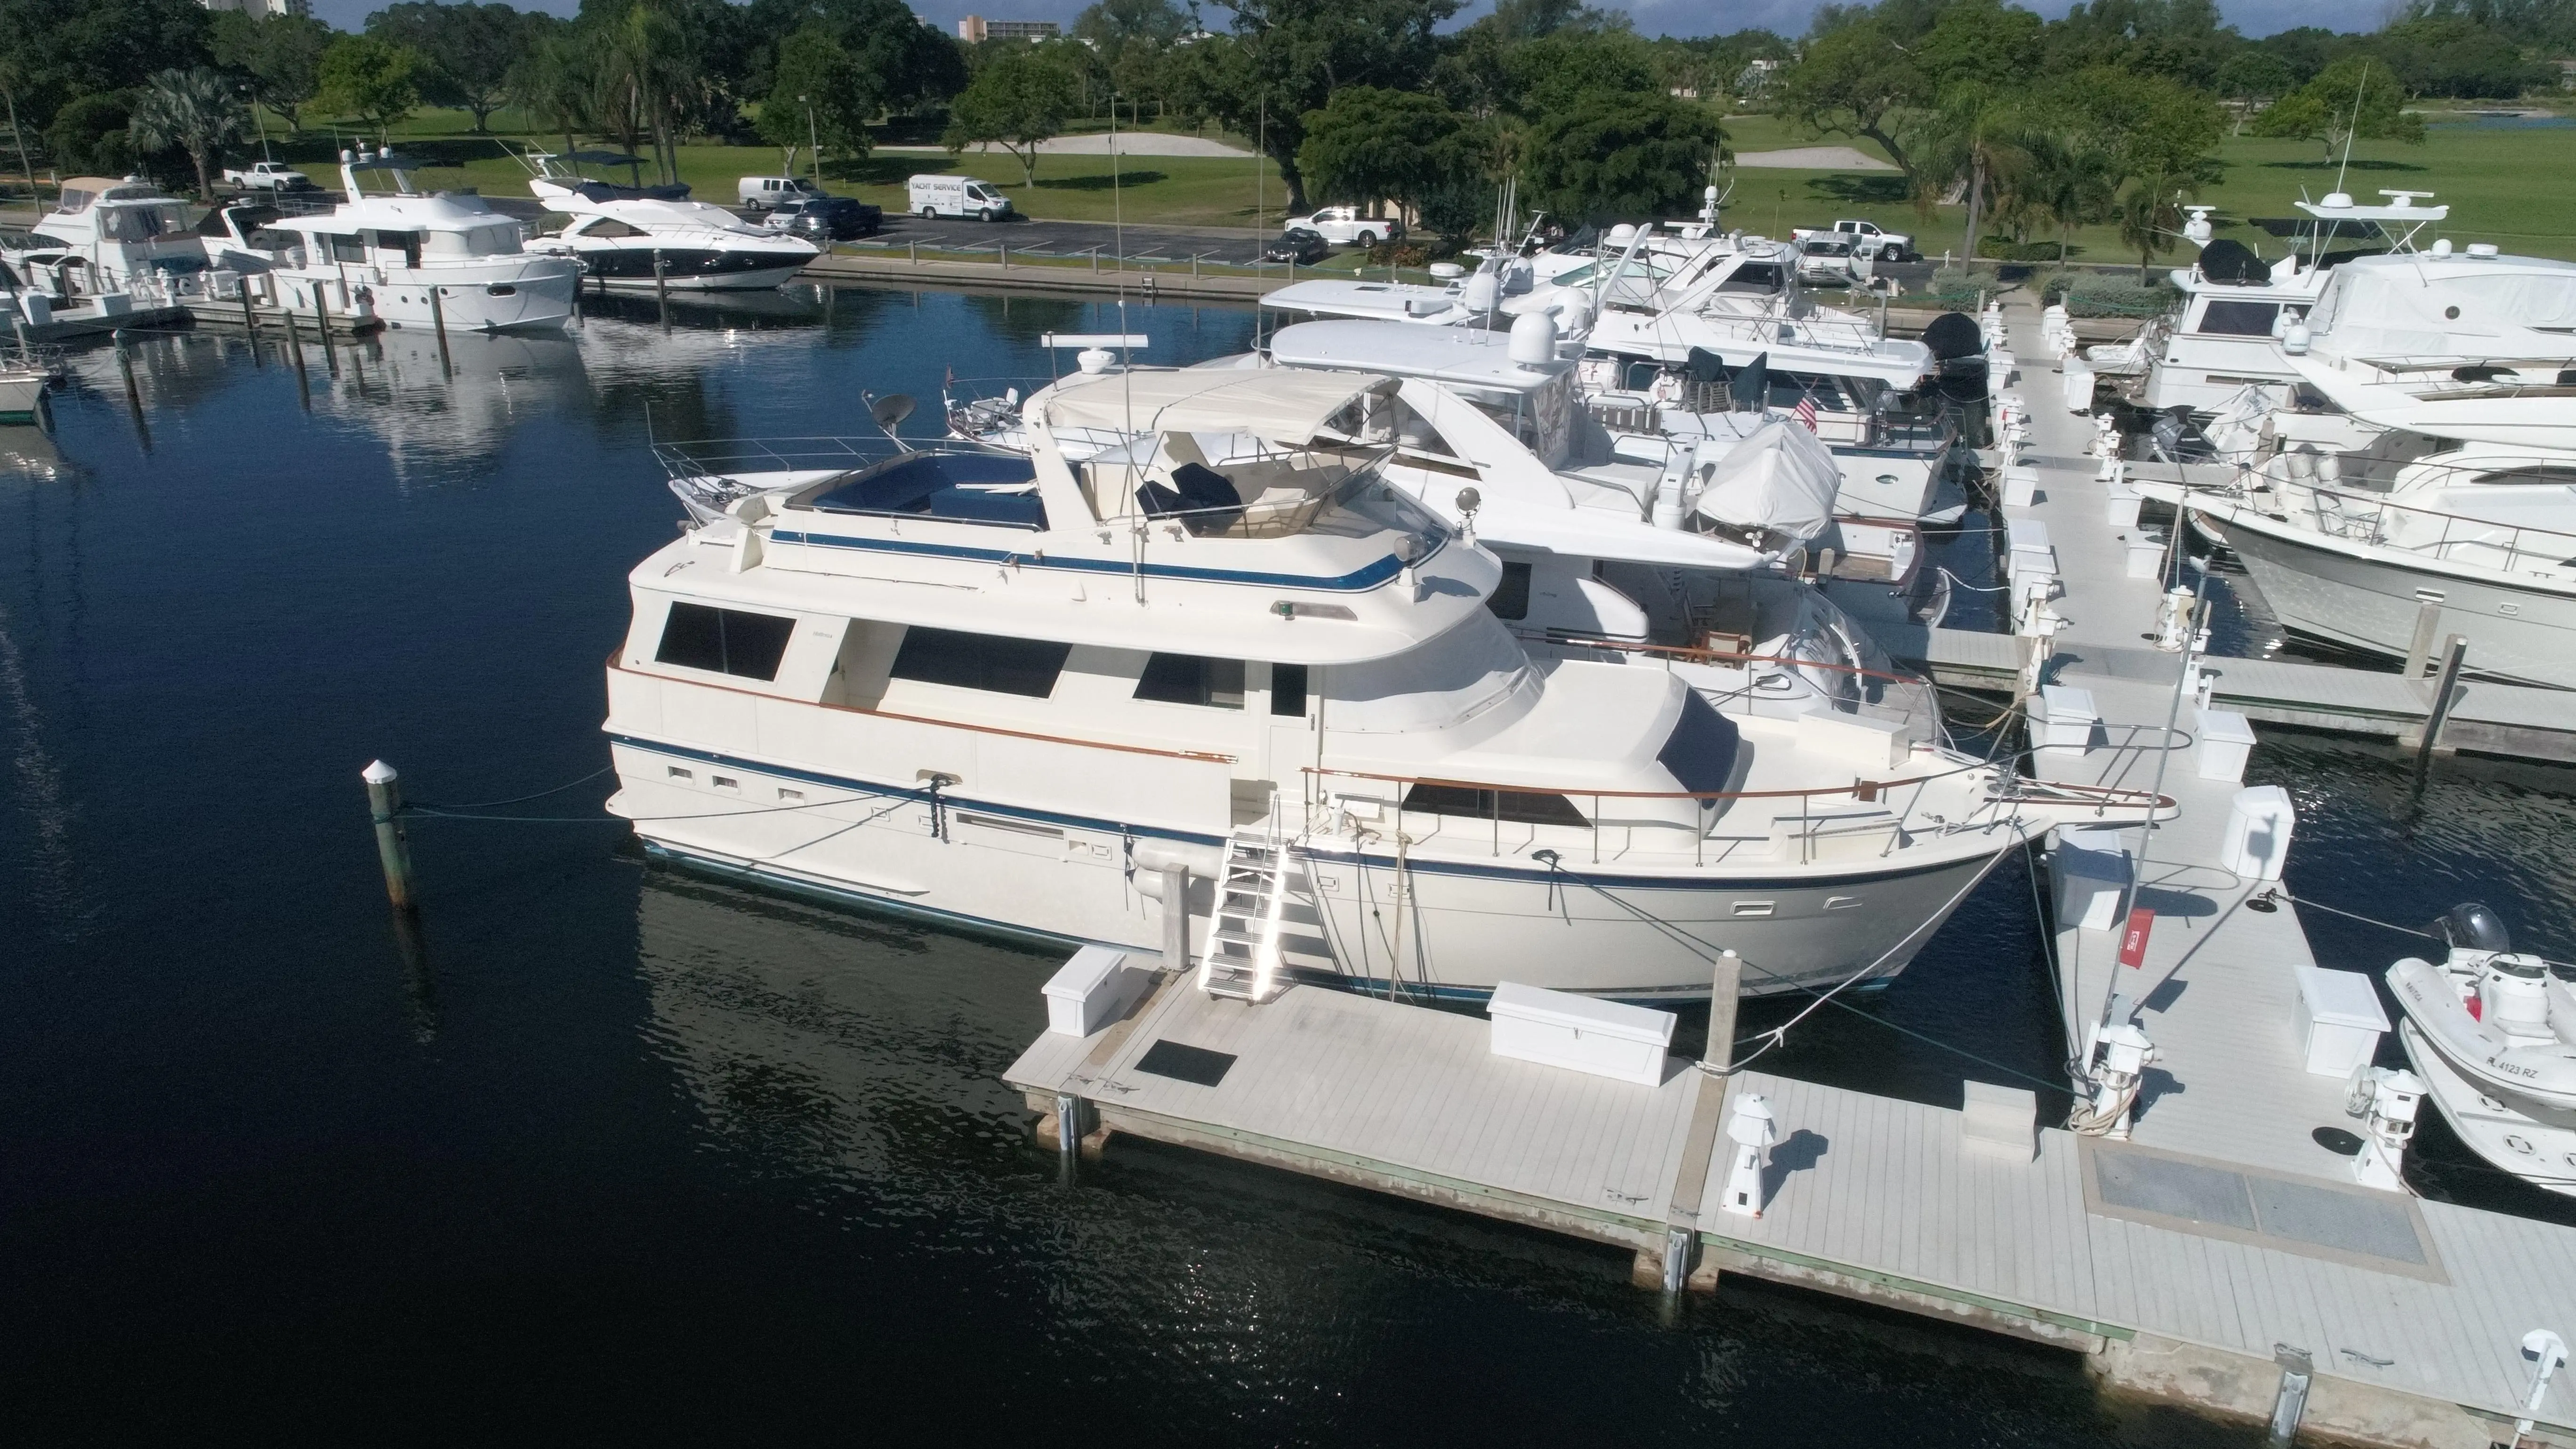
[
  {"x": 438, "y": 321},
  {"x": 393, "y": 848},
  {"x": 322, "y": 324},
  {"x": 250, "y": 322},
  {"x": 2455, "y": 652},
  {"x": 661, "y": 287},
  {"x": 295, "y": 350}
]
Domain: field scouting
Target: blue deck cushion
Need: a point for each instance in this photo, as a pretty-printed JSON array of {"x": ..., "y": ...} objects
[
  {"x": 1205, "y": 494},
  {"x": 942, "y": 485}
]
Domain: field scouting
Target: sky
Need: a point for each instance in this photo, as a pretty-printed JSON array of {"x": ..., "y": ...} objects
[{"x": 1654, "y": 17}]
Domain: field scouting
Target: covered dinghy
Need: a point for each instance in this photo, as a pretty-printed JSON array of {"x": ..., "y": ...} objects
[{"x": 1780, "y": 480}]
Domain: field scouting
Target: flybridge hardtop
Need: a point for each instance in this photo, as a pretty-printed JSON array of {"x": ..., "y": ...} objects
[{"x": 1249, "y": 502}]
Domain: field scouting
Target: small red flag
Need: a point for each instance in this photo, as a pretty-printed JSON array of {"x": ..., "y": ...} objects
[{"x": 2133, "y": 941}]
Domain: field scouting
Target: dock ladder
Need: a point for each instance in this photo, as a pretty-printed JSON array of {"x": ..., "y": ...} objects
[{"x": 1242, "y": 959}]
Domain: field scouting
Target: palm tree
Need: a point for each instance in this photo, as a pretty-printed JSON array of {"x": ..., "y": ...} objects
[
  {"x": 1973, "y": 140},
  {"x": 554, "y": 82},
  {"x": 2071, "y": 181},
  {"x": 193, "y": 109},
  {"x": 2151, "y": 216},
  {"x": 648, "y": 69}
]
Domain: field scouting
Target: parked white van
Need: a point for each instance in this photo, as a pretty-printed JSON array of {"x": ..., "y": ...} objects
[
  {"x": 768, "y": 193},
  {"x": 958, "y": 196}
]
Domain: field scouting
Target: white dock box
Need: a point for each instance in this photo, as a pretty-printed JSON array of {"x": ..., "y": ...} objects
[
  {"x": 2225, "y": 740},
  {"x": 2257, "y": 843},
  {"x": 2066, "y": 718},
  {"x": 2079, "y": 386},
  {"x": 1092, "y": 990},
  {"x": 2145, "y": 557},
  {"x": 1580, "y": 1033},
  {"x": 2090, "y": 869},
  {"x": 2340, "y": 1020},
  {"x": 2120, "y": 505}
]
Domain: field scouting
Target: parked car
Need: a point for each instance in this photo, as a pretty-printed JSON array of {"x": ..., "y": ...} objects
[
  {"x": 1866, "y": 240},
  {"x": 768, "y": 193},
  {"x": 827, "y": 219},
  {"x": 268, "y": 176},
  {"x": 958, "y": 196},
  {"x": 1297, "y": 245},
  {"x": 1345, "y": 224},
  {"x": 1827, "y": 261}
]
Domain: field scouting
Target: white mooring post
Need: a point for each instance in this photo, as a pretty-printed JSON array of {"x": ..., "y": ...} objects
[
  {"x": 1751, "y": 1128},
  {"x": 2393, "y": 1097},
  {"x": 2548, "y": 1353},
  {"x": 393, "y": 849}
]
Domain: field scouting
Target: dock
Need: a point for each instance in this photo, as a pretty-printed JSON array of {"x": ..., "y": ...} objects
[{"x": 2224, "y": 1253}]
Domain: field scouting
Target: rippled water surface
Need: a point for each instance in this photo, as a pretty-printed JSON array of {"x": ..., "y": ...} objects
[{"x": 606, "y": 1151}]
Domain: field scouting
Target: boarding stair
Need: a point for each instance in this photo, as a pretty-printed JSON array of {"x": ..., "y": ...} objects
[{"x": 1242, "y": 957}]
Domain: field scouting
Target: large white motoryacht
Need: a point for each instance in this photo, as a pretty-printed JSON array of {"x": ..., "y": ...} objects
[
  {"x": 643, "y": 243},
  {"x": 400, "y": 249},
  {"x": 108, "y": 236},
  {"x": 1229, "y": 669},
  {"x": 2236, "y": 307}
]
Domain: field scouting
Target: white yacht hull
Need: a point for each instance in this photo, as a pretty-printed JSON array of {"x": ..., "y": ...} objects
[
  {"x": 21, "y": 393},
  {"x": 1458, "y": 925},
  {"x": 527, "y": 292},
  {"x": 2370, "y": 597},
  {"x": 2540, "y": 1149},
  {"x": 2204, "y": 373},
  {"x": 768, "y": 279}
]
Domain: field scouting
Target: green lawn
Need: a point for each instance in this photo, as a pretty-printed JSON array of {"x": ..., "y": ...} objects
[
  {"x": 1176, "y": 190},
  {"x": 2512, "y": 187},
  {"x": 2516, "y": 188}
]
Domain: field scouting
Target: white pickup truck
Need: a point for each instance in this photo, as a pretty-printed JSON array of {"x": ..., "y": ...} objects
[
  {"x": 1865, "y": 238},
  {"x": 269, "y": 176}
]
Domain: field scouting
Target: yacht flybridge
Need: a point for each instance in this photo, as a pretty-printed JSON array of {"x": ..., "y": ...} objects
[
  {"x": 106, "y": 236},
  {"x": 395, "y": 251},
  {"x": 2236, "y": 307},
  {"x": 1228, "y": 670}
]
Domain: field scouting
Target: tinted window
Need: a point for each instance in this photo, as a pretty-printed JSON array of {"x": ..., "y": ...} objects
[
  {"x": 1753, "y": 277},
  {"x": 1701, "y": 749},
  {"x": 2240, "y": 319},
  {"x": 1524, "y": 807},
  {"x": 346, "y": 248},
  {"x": 1188, "y": 679},
  {"x": 1511, "y": 596},
  {"x": 980, "y": 661},
  {"x": 1288, "y": 689},
  {"x": 725, "y": 641}
]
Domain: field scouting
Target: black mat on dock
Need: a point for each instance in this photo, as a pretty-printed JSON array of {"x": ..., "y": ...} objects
[{"x": 1185, "y": 1063}]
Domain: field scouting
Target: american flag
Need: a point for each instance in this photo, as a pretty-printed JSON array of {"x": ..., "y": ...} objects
[{"x": 1805, "y": 413}]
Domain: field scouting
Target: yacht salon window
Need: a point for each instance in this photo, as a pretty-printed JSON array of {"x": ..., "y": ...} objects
[
  {"x": 724, "y": 641},
  {"x": 344, "y": 248},
  {"x": 1189, "y": 679},
  {"x": 607, "y": 227},
  {"x": 982, "y": 661},
  {"x": 1521, "y": 807},
  {"x": 2239, "y": 319},
  {"x": 1759, "y": 279},
  {"x": 1511, "y": 596},
  {"x": 483, "y": 241}
]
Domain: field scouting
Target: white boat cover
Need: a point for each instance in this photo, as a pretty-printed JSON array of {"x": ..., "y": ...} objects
[
  {"x": 1285, "y": 406},
  {"x": 1781, "y": 479}
]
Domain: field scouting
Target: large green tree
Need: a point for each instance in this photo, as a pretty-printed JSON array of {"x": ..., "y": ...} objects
[
  {"x": 1856, "y": 80},
  {"x": 1020, "y": 98},
  {"x": 1615, "y": 154},
  {"x": 467, "y": 49},
  {"x": 194, "y": 110},
  {"x": 2353, "y": 99},
  {"x": 369, "y": 81},
  {"x": 282, "y": 55},
  {"x": 1287, "y": 57},
  {"x": 89, "y": 136},
  {"x": 1370, "y": 144},
  {"x": 912, "y": 67},
  {"x": 819, "y": 96}
]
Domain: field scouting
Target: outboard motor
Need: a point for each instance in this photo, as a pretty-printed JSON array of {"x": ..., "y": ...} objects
[{"x": 2472, "y": 927}]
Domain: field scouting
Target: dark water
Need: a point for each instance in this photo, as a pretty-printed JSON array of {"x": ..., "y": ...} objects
[{"x": 611, "y": 1152}]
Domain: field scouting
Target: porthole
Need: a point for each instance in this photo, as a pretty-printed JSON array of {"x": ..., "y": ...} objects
[{"x": 2452, "y": 313}]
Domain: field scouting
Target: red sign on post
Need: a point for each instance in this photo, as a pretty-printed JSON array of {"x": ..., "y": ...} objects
[{"x": 2133, "y": 941}]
